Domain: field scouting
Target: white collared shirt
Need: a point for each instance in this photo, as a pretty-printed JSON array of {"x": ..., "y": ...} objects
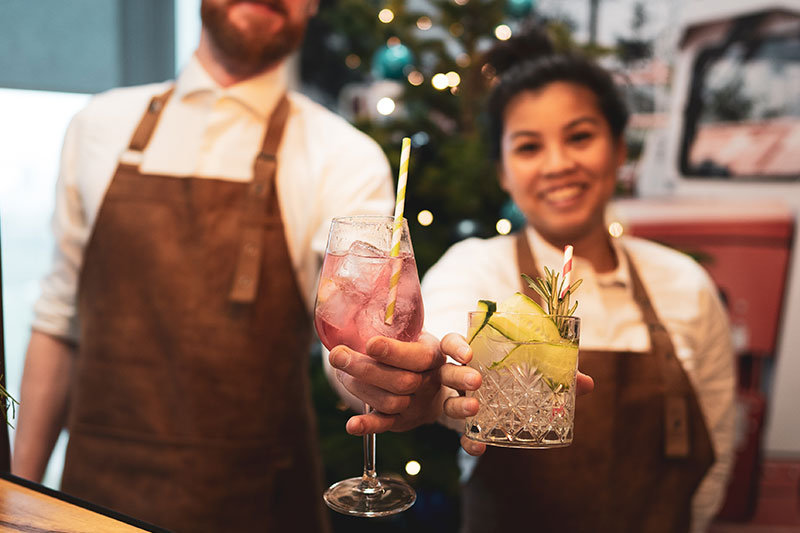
[
  {"x": 684, "y": 298},
  {"x": 326, "y": 168}
]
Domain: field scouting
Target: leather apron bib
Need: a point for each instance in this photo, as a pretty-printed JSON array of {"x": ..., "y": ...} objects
[
  {"x": 190, "y": 404},
  {"x": 639, "y": 452}
]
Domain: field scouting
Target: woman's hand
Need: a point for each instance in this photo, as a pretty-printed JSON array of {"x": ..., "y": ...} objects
[{"x": 463, "y": 378}]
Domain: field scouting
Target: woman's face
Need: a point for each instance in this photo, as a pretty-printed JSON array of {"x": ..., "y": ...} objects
[{"x": 559, "y": 160}]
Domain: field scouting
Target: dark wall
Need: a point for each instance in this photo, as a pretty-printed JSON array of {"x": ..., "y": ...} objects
[{"x": 85, "y": 45}]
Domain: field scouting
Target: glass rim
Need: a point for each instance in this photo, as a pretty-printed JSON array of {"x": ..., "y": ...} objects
[
  {"x": 365, "y": 218},
  {"x": 531, "y": 314}
]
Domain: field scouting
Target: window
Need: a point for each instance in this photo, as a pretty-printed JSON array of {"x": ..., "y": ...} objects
[{"x": 743, "y": 116}]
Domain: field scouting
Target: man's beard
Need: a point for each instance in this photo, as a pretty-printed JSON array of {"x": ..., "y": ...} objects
[{"x": 250, "y": 51}]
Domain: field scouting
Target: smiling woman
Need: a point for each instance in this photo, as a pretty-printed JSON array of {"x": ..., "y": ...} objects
[
  {"x": 556, "y": 126},
  {"x": 559, "y": 161}
]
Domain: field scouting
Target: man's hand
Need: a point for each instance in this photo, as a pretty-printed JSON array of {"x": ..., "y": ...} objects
[
  {"x": 400, "y": 380},
  {"x": 464, "y": 378}
]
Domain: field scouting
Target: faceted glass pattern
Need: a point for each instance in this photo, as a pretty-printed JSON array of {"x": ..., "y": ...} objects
[{"x": 520, "y": 408}]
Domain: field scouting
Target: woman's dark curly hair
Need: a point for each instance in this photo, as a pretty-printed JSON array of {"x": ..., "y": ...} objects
[{"x": 528, "y": 62}]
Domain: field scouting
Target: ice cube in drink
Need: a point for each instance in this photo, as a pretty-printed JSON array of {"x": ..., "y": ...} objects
[{"x": 354, "y": 293}]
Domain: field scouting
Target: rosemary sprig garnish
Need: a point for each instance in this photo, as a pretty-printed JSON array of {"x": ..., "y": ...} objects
[
  {"x": 549, "y": 289},
  {"x": 6, "y": 401}
]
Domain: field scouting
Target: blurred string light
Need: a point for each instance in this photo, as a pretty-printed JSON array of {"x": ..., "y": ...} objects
[
  {"x": 615, "y": 229},
  {"x": 467, "y": 228},
  {"x": 352, "y": 61},
  {"x": 453, "y": 79},
  {"x": 385, "y": 106},
  {"x": 503, "y": 226},
  {"x": 502, "y": 32},
  {"x": 415, "y": 78},
  {"x": 420, "y": 138},
  {"x": 425, "y": 218},
  {"x": 413, "y": 468},
  {"x": 463, "y": 60},
  {"x": 424, "y": 23},
  {"x": 386, "y": 16},
  {"x": 456, "y": 29},
  {"x": 461, "y": 2},
  {"x": 440, "y": 81},
  {"x": 393, "y": 41}
]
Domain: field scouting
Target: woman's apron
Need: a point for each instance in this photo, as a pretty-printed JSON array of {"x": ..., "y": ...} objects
[
  {"x": 190, "y": 404},
  {"x": 640, "y": 448}
]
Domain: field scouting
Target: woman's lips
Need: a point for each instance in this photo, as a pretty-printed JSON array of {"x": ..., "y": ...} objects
[{"x": 563, "y": 195}]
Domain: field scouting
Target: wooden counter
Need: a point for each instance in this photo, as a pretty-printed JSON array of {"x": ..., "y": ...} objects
[{"x": 29, "y": 507}]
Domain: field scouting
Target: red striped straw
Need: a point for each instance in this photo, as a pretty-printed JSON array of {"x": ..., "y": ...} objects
[{"x": 566, "y": 271}]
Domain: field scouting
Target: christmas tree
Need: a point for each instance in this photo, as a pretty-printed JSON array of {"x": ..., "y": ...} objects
[{"x": 417, "y": 71}]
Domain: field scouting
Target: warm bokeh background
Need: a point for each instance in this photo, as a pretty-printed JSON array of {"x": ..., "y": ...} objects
[{"x": 714, "y": 170}]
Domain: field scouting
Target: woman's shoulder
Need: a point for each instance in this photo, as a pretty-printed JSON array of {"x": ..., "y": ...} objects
[
  {"x": 476, "y": 259},
  {"x": 667, "y": 266},
  {"x": 481, "y": 250}
]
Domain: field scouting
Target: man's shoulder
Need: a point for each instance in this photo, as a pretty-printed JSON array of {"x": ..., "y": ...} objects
[
  {"x": 322, "y": 122},
  {"x": 120, "y": 104}
]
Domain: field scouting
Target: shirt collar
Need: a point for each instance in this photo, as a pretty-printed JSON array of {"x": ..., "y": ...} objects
[
  {"x": 259, "y": 94},
  {"x": 548, "y": 255}
]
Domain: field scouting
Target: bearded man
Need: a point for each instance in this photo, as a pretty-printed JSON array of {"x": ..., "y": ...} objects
[{"x": 171, "y": 336}]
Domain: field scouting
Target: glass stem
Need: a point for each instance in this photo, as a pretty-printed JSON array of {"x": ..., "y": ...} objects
[{"x": 369, "y": 479}]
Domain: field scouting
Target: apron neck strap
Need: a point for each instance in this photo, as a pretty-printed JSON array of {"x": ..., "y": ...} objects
[
  {"x": 258, "y": 202},
  {"x": 144, "y": 131},
  {"x": 526, "y": 264}
]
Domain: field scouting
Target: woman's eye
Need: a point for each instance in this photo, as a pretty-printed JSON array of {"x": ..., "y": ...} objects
[
  {"x": 580, "y": 137},
  {"x": 527, "y": 147}
]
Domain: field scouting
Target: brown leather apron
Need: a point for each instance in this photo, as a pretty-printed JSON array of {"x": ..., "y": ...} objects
[
  {"x": 639, "y": 452},
  {"x": 190, "y": 405}
]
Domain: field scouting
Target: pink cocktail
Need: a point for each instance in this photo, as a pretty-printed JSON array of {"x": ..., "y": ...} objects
[
  {"x": 353, "y": 294},
  {"x": 352, "y": 299}
]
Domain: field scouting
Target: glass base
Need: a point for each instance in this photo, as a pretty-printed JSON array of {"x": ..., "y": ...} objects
[{"x": 390, "y": 497}]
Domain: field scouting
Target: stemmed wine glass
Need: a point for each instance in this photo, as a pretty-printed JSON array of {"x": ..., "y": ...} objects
[{"x": 351, "y": 308}]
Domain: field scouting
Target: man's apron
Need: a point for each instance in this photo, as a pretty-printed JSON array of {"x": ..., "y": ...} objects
[
  {"x": 639, "y": 452},
  {"x": 190, "y": 404}
]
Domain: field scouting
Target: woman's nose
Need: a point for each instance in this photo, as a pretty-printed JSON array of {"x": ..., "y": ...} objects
[{"x": 556, "y": 161}]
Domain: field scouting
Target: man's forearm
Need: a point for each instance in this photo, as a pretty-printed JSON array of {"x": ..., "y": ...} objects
[{"x": 44, "y": 397}]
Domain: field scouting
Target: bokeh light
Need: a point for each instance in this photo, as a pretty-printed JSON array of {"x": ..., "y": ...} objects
[
  {"x": 424, "y": 23},
  {"x": 502, "y": 32},
  {"x": 440, "y": 81},
  {"x": 386, "y": 16},
  {"x": 453, "y": 79},
  {"x": 615, "y": 229},
  {"x": 415, "y": 78},
  {"x": 352, "y": 61},
  {"x": 413, "y": 468},
  {"x": 503, "y": 226},
  {"x": 385, "y": 106},
  {"x": 425, "y": 218}
]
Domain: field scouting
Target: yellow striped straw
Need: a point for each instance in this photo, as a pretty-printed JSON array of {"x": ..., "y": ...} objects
[{"x": 399, "y": 204}]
